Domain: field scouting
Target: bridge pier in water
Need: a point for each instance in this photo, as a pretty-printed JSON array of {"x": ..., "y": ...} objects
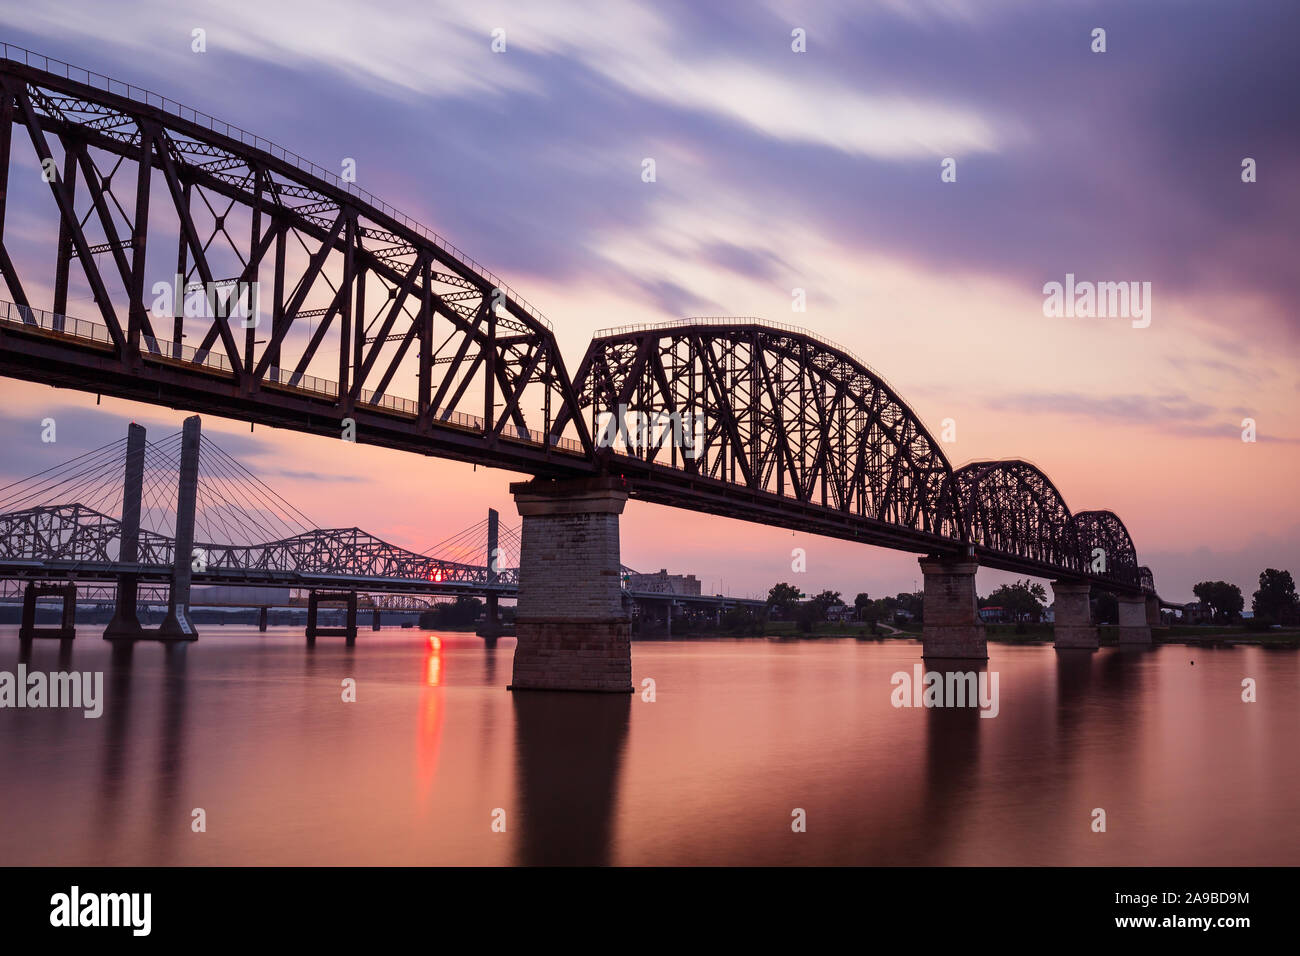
[
  {"x": 66, "y": 629},
  {"x": 1074, "y": 627},
  {"x": 177, "y": 626},
  {"x": 572, "y": 630},
  {"x": 492, "y": 627},
  {"x": 1133, "y": 626},
  {"x": 125, "y": 624},
  {"x": 347, "y": 631},
  {"x": 262, "y": 613},
  {"x": 1153, "y": 610},
  {"x": 376, "y": 619},
  {"x": 951, "y": 628}
]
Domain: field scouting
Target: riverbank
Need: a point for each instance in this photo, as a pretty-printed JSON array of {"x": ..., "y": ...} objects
[{"x": 1007, "y": 634}]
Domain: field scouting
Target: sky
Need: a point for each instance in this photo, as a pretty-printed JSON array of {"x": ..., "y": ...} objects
[{"x": 818, "y": 170}]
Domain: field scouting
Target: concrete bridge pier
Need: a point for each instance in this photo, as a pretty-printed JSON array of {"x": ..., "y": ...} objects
[
  {"x": 1074, "y": 627},
  {"x": 262, "y": 613},
  {"x": 491, "y": 628},
  {"x": 951, "y": 629},
  {"x": 177, "y": 626},
  {"x": 347, "y": 631},
  {"x": 572, "y": 630},
  {"x": 1133, "y": 626},
  {"x": 66, "y": 629},
  {"x": 125, "y": 624},
  {"x": 376, "y": 619}
]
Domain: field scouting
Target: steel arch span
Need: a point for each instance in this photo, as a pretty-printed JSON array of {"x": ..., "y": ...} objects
[
  {"x": 776, "y": 412},
  {"x": 1010, "y": 508},
  {"x": 1101, "y": 533},
  {"x": 356, "y": 307}
]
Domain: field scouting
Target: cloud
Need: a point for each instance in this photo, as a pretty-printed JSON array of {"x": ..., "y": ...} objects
[
  {"x": 1172, "y": 414},
  {"x": 816, "y": 170},
  {"x": 331, "y": 477},
  {"x": 1132, "y": 408}
]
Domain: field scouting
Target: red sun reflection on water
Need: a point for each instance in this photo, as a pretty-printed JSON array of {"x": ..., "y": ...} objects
[{"x": 429, "y": 719}]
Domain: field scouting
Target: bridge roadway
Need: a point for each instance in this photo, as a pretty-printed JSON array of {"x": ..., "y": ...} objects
[
  {"x": 79, "y": 571},
  {"x": 795, "y": 431}
]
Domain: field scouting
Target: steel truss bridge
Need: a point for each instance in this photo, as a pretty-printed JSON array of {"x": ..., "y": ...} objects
[
  {"x": 367, "y": 317},
  {"x": 72, "y": 541},
  {"x": 80, "y": 541},
  {"x": 64, "y": 524}
]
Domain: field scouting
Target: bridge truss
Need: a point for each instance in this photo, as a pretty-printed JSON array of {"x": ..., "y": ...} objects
[
  {"x": 43, "y": 537},
  {"x": 354, "y": 300},
  {"x": 360, "y": 307}
]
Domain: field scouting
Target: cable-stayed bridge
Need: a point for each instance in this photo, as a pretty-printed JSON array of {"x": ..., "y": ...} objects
[
  {"x": 66, "y": 525},
  {"x": 68, "y": 519}
]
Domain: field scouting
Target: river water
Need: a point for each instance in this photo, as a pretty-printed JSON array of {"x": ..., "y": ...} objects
[{"x": 741, "y": 735}]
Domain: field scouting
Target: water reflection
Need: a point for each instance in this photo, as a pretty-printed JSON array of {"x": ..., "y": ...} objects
[
  {"x": 569, "y": 752},
  {"x": 952, "y": 757},
  {"x": 430, "y": 717},
  {"x": 251, "y": 728},
  {"x": 114, "y": 758},
  {"x": 170, "y": 774}
]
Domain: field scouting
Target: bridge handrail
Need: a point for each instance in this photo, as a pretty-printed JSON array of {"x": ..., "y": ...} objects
[{"x": 9, "y": 51}]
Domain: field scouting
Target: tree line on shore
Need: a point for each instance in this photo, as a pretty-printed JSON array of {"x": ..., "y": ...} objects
[
  {"x": 1022, "y": 601},
  {"x": 1275, "y": 602}
]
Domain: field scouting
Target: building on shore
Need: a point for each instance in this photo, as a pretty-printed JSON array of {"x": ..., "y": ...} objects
[
  {"x": 994, "y": 614},
  {"x": 661, "y": 582}
]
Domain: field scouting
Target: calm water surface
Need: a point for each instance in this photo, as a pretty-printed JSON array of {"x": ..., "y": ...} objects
[{"x": 252, "y": 729}]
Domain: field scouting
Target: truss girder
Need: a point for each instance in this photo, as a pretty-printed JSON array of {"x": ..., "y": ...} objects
[
  {"x": 779, "y": 413},
  {"x": 1104, "y": 532},
  {"x": 358, "y": 306},
  {"x": 370, "y": 317},
  {"x": 75, "y": 533}
]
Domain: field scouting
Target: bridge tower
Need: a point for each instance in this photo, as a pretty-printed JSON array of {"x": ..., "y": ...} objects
[
  {"x": 177, "y": 625},
  {"x": 125, "y": 624},
  {"x": 492, "y": 628},
  {"x": 951, "y": 628},
  {"x": 572, "y": 629}
]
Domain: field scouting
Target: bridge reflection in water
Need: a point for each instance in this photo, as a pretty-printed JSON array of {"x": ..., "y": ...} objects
[{"x": 252, "y": 729}]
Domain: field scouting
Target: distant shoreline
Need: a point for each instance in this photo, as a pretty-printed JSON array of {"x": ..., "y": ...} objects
[{"x": 1005, "y": 634}]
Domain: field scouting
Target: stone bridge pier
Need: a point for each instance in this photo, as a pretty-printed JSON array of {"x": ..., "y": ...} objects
[
  {"x": 1133, "y": 625},
  {"x": 1153, "y": 610},
  {"x": 951, "y": 629},
  {"x": 572, "y": 630},
  {"x": 1074, "y": 627}
]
